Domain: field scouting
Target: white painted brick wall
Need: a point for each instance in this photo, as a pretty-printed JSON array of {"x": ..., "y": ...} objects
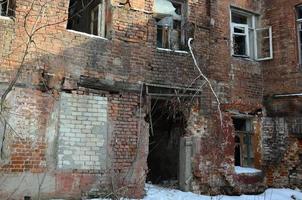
[{"x": 82, "y": 132}]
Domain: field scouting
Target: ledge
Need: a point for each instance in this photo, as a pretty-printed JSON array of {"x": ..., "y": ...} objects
[
  {"x": 86, "y": 34},
  {"x": 174, "y": 51},
  {"x": 6, "y": 18}
]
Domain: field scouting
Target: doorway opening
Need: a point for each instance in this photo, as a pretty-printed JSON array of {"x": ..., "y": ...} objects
[{"x": 167, "y": 126}]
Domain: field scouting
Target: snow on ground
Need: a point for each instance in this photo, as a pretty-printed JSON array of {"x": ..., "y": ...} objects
[
  {"x": 159, "y": 193},
  {"x": 245, "y": 170}
]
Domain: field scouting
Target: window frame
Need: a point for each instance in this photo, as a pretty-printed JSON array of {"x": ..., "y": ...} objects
[
  {"x": 181, "y": 40},
  {"x": 241, "y": 134},
  {"x": 270, "y": 37},
  {"x": 246, "y": 34},
  {"x": 81, "y": 18},
  {"x": 101, "y": 19},
  {"x": 251, "y": 34},
  {"x": 299, "y": 29},
  {"x": 10, "y": 8}
]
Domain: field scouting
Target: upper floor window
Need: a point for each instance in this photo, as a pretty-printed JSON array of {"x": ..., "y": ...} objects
[
  {"x": 170, "y": 18},
  {"x": 7, "y": 8},
  {"x": 247, "y": 40},
  {"x": 299, "y": 29},
  {"x": 88, "y": 16}
]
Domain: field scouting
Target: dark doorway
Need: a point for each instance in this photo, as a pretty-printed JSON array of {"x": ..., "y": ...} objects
[{"x": 166, "y": 127}]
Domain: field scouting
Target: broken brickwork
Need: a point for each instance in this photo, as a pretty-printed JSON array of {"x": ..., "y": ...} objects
[{"x": 78, "y": 118}]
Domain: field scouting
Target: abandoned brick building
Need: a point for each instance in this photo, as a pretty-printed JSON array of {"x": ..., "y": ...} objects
[{"x": 101, "y": 96}]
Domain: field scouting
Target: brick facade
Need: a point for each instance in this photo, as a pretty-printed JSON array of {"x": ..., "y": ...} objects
[{"x": 78, "y": 114}]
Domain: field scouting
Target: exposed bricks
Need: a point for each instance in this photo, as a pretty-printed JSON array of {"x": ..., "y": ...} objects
[
  {"x": 124, "y": 115},
  {"x": 99, "y": 134}
]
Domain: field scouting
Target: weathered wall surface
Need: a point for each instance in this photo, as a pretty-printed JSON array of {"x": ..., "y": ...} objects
[
  {"x": 83, "y": 135},
  {"x": 281, "y": 154},
  {"x": 282, "y": 74},
  {"x": 241, "y": 78}
]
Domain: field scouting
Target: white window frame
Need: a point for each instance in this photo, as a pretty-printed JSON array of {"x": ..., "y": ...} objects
[
  {"x": 246, "y": 34},
  {"x": 101, "y": 21},
  {"x": 270, "y": 37},
  {"x": 299, "y": 29},
  {"x": 251, "y": 35}
]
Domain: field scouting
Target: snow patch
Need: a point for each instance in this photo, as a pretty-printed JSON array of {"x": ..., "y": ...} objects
[
  {"x": 159, "y": 193},
  {"x": 246, "y": 170}
]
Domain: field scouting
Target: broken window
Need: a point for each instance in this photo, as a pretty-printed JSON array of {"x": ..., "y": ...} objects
[
  {"x": 247, "y": 39},
  {"x": 170, "y": 18},
  {"x": 88, "y": 16},
  {"x": 7, "y": 8},
  {"x": 244, "y": 155},
  {"x": 299, "y": 29}
]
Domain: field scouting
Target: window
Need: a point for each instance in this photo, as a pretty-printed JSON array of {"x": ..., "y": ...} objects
[
  {"x": 247, "y": 39},
  {"x": 244, "y": 155},
  {"x": 88, "y": 16},
  {"x": 299, "y": 29},
  {"x": 7, "y": 8},
  {"x": 170, "y": 18}
]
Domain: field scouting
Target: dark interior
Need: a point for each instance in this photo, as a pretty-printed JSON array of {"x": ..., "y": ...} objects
[
  {"x": 237, "y": 151},
  {"x": 168, "y": 127},
  {"x": 79, "y": 14}
]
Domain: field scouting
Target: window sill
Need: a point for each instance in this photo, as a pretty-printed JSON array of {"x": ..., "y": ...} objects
[
  {"x": 170, "y": 50},
  {"x": 244, "y": 58},
  {"x": 86, "y": 34},
  {"x": 246, "y": 170},
  {"x": 6, "y": 18}
]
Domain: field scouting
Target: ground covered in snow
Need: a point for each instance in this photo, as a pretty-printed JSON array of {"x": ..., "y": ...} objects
[{"x": 159, "y": 193}]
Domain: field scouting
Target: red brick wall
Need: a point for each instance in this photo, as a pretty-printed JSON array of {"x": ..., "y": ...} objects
[
  {"x": 27, "y": 117},
  {"x": 283, "y": 73},
  {"x": 130, "y": 55}
]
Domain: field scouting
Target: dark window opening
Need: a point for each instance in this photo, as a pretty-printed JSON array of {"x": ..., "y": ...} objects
[
  {"x": 239, "y": 44},
  {"x": 243, "y": 152},
  {"x": 239, "y": 19},
  {"x": 7, "y": 8},
  {"x": 237, "y": 151},
  {"x": 299, "y": 12},
  {"x": 299, "y": 30},
  {"x": 164, "y": 143},
  {"x": 88, "y": 16},
  {"x": 240, "y": 34}
]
